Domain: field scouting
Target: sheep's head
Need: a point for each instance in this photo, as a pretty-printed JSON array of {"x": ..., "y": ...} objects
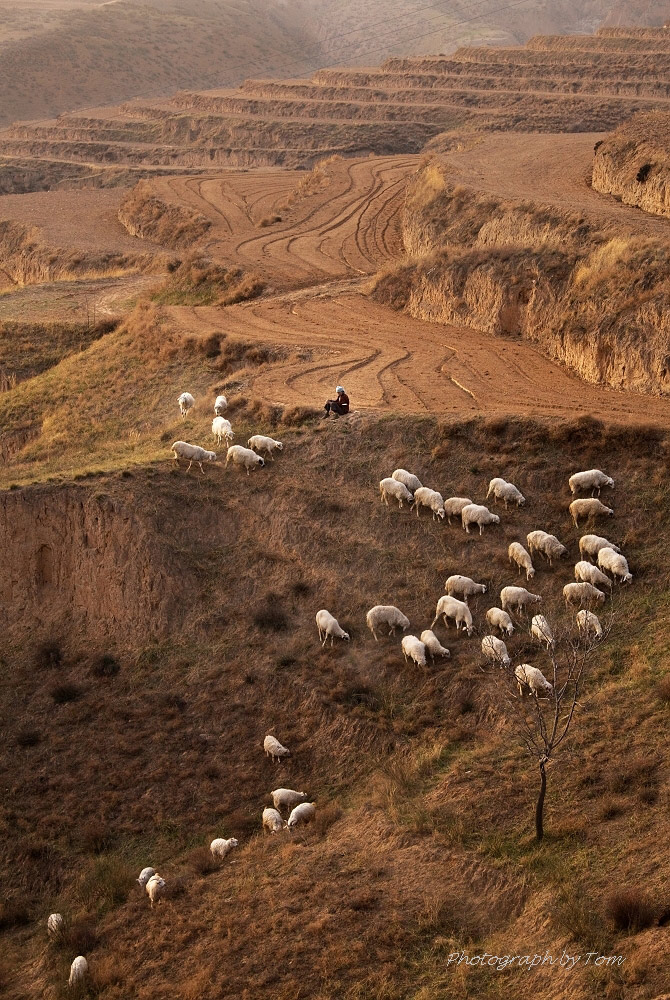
[
  {"x": 345, "y": 635},
  {"x": 441, "y": 513},
  {"x": 531, "y": 573},
  {"x": 233, "y": 842},
  {"x": 260, "y": 461},
  {"x": 628, "y": 578},
  {"x": 279, "y": 446},
  {"x": 210, "y": 456},
  {"x": 521, "y": 501},
  {"x": 495, "y": 519}
]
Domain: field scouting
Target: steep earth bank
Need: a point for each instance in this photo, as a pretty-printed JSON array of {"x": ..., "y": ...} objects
[{"x": 633, "y": 163}]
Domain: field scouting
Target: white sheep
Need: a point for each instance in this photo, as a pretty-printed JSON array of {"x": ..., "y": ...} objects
[
  {"x": 412, "y": 482},
  {"x": 517, "y": 597},
  {"x": 546, "y": 544},
  {"x": 274, "y": 749},
  {"x": 449, "y": 607},
  {"x": 495, "y": 651},
  {"x": 220, "y": 405},
  {"x": 223, "y": 431},
  {"x": 497, "y": 618},
  {"x": 581, "y": 594},
  {"x": 616, "y": 564},
  {"x": 186, "y": 402},
  {"x": 590, "y": 545},
  {"x": 478, "y": 514},
  {"x": 464, "y": 587},
  {"x": 586, "y": 572},
  {"x": 532, "y": 680},
  {"x": 388, "y": 615},
  {"x": 454, "y": 505},
  {"x": 272, "y": 820},
  {"x": 589, "y": 508},
  {"x": 505, "y": 491},
  {"x": 259, "y": 442},
  {"x": 397, "y": 490},
  {"x": 155, "y": 888},
  {"x": 329, "y": 626},
  {"x": 145, "y": 875},
  {"x": 55, "y": 924},
  {"x": 517, "y": 554},
  {"x": 286, "y": 798},
  {"x": 433, "y": 645},
  {"x": 423, "y": 497},
  {"x": 414, "y": 649},
  {"x": 302, "y": 815},
  {"x": 192, "y": 453},
  {"x": 245, "y": 457},
  {"x": 220, "y": 847},
  {"x": 592, "y": 480},
  {"x": 589, "y": 625},
  {"x": 78, "y": 970},
  {"x": 541, "y": 630}
]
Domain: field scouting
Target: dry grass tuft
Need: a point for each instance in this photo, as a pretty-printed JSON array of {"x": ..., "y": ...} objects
[{"x": 630, "y": 910}]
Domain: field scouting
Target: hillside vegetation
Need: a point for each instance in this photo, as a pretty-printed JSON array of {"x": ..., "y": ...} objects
[{"x": 633, "y": 163}]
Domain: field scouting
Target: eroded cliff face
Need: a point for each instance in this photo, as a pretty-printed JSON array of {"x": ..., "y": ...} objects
[{"x": 633, "y": 163}]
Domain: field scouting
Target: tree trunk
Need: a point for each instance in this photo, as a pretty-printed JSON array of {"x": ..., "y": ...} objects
[{"x": 539, "y": 808}]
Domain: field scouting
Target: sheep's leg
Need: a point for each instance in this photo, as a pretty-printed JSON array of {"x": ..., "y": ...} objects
[
  {"x": 417, "y": 508},
  {"x": 375, "y": 635},
  {"x": 189, "y": 465},
  {"x": 201, "y": 468},
  {"x": 332, "y": 640},
  {"x": 247, "y": 470},
  {"x": 481, "y": 530},
  {"x": 271, "y": 456}
]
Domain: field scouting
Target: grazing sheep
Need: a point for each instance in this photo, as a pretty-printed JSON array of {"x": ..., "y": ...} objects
[
  {"x": 272, "y": 820},
  {"x": 464, "y": 587},
  {"x": 55, "y": 924},
  {"x": 274, "y": 749},
  {"x": 186, "y": 402},
  {"x": 586, "y": 572},
  {"x": 517, "y": 597},
  {"x": 454, "y": 505},
  {"x": 245, "y": 457},
  {"x": 589, "y": 625},
  {"x": 222, "y": 431},
  {"x": 517, "y": 554},
  {"x": 433, "y": 645},
  {"x": 386, "y": 614},
  {"x": 476, "y": 513},
  {"x": 397, "y": 490},
  {"x": 155, "y": 888},
  {"x": 592, "y": 480},
  {"x": 413, "y": 483},
  {"x": 145, "y": 875},
  {"x": 329, "y": 626},
  {"x": 590, "y": 545},
  {"x": 259, "y": 442},
  {"x": 192, "y": 453},
  {"x": 507, "y": 492},
  {"x": 449, "y": 607},
  {"x": 302, "y": 815},
  {"x": 286, "y": 798},
  {"x": 541, "y": 630},
  {"x": 497, "y": 618},
  {"x": 580, "y": 594},
  {"x": 546, "y": 544},
  {"x": 423, "y": 497},
  {"x": 495, "y": 651},
  {"x": 531, "y": 680},
  {"x": 220, "y": 405},
  {"x": 78, "y": 970},
  {"x": 220, "y": 847},
  {"x": 616, "y": 564},
  {"x": 414, "y": 649},
  {"x": 589, "y": 508}
]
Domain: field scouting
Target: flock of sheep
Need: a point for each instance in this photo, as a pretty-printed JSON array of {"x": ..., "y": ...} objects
[{"x": 248, "y": 458}]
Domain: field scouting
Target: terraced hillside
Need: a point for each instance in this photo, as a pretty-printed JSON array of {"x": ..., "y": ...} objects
[{"x": 633, "y": 163}]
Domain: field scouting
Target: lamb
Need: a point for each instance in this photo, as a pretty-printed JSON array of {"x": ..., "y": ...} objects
[
  {"x": 259, "y": 442},
  {"x": 589, "y": 508},
  {"x": 589, "y": 625},
  {"x": 517, "y": 554},
  {"x": 394, "y": 488},
  {"x": 431, "y": 499},
  {"x": 155, "y": 888},
  {"x": 222, "y": 431},
  {"x": 302, "y": 815},
  {"x": 272, "y": 820},
  {"x": 274, "y": 749},
  {"x": 586, "y": 572},
  {"x": 476, "y": 513},
  {"x": 287, "y": 798},
  {"x": 464, "y": 587},
  {"x": 540, "y": 630},
  {"x": 546, "y": 544},
  {"x": 517, "y": 597},
  {"x": 590, "y": 545},
  {"x": 449, "y": 607},
  {"x": 221, "y": 847},
  {"x": 78, "y": 970},
  {"x": 616, "y": 564},
  {"x": 454, "y": 505},
  {"x": 386, "y": 614},
  {"x": 592, "y": 480},
  {"x": 329, "y": 626},
  {"x": 414, "y": 649},
  {"x": 531, "y": 680},
  {"x": 507, "y": 492},
  {"x": 220, "y": 405},
  {"x": 55, "y": 924},
  {"x": 145, "y": 875},
  {"x": 413, "y": 483},
  {"x": 580, "y": 594},
  {"x": 495, "y": 650},
  {"x": 186, "y": 402},
  {"x": 497, "y": 618},
  {"x": 181, "y": 449},
  {"x": 245, "y": 457},
  {"x": 433, "y": 645}
]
